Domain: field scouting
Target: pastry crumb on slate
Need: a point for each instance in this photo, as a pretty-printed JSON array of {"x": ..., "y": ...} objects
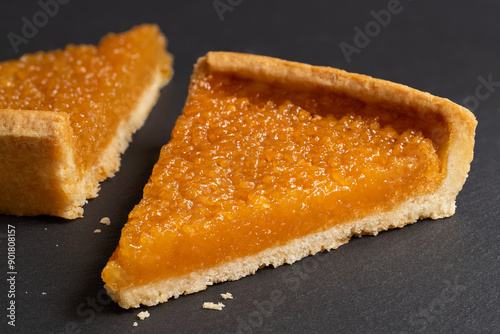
[
  {"x": 213, "y": 306},
  {"x": 227, "y": 295},
  {"x": 143, "y": 315},
  {"x": 105, "y": 221}
]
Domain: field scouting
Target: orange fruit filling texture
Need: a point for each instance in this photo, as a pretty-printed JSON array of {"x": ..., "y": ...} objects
[
  {"x": 96, "y": 86},
  {"x": 252, "y": 166}
]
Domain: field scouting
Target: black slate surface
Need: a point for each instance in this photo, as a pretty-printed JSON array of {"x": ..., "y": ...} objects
[{"x": 431, "y": 277}]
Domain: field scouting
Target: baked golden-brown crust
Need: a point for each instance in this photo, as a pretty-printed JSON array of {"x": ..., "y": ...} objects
[
  {"x": 38, "y": 174},
  {"x": 450, "y": 126},
  {"x": 37, "y": 169}
]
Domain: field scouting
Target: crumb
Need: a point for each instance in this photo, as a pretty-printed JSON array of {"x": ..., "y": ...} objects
[
  {"x": 57, "y": 245},
  {"x": 44, "y": 293},
  {"x": 213, "y": 306},
  {"x": 143, "y": 315},
  {"x": 135, "y": 324},
  {"x": 45, "y": 229},
  {"x": 97, "y": 230},
  {"x": 105, "y": 221},
  {"x": 226, "y": 295}
]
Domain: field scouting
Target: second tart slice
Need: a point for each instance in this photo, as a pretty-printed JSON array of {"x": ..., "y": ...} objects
[
  {"x": 67, "y": 115},
  {"x": 272, "y": 161}
]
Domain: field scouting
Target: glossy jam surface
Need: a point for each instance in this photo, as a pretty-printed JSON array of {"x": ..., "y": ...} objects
[
  {"x": 252, "y": 166},
  {"x": 96, "y": 86}
]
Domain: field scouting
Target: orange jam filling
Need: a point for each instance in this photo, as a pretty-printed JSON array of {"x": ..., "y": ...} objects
[
  {"x": 97, "y": 86},
  {"x": 252, "y": 166}
]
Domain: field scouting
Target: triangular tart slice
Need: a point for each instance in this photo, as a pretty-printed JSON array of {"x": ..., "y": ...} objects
[
  {"x": 272, "y": 161},
  {"x": 67, "y": 115}
]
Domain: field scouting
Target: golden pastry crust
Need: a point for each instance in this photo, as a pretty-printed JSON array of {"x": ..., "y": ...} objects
[
  {"x": 450, "y": 126},
  {"x": 38, "y": 175},
  {"x": 37, "y": 149}
]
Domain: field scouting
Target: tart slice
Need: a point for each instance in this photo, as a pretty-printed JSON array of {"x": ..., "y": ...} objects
[
  {"x": 272, "y": 161},
  {"x": 67, "y": 115}
]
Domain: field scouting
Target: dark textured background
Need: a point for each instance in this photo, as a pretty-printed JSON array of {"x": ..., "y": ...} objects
[{"x": 433, "y": 277}]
